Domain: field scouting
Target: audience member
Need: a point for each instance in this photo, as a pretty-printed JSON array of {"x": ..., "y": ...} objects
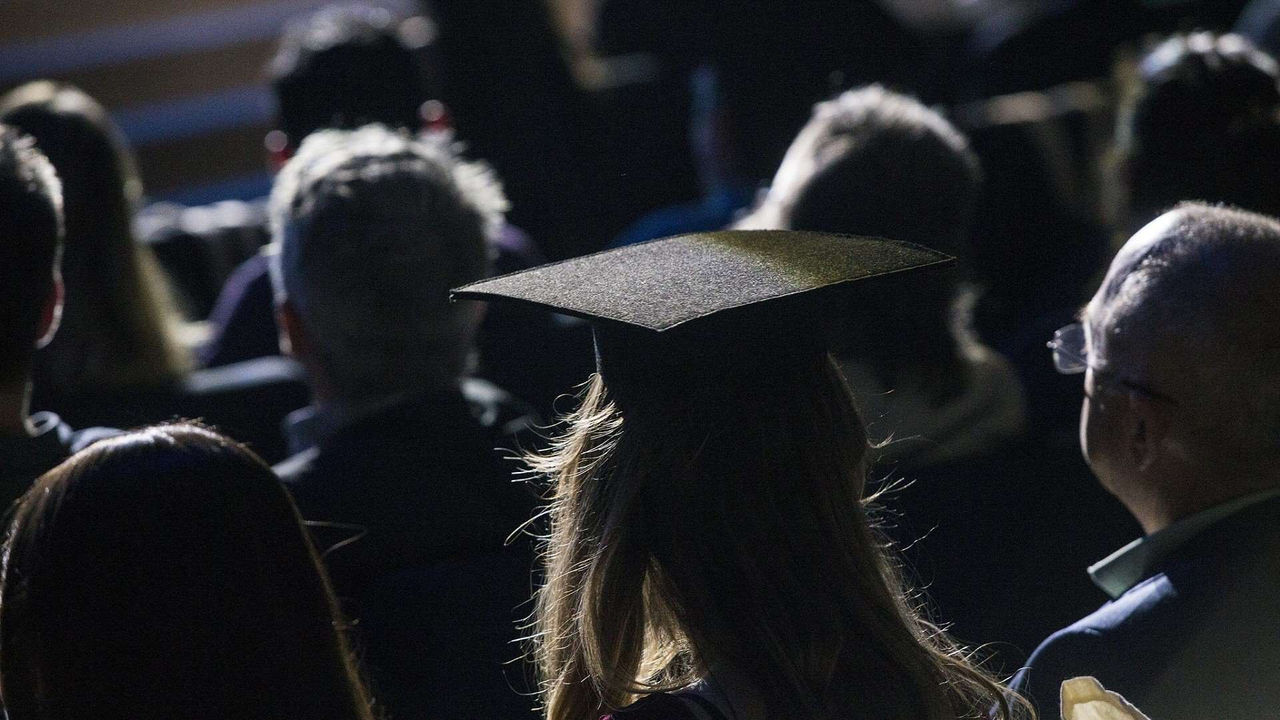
[
  {"x": 944, "y": 410},
  {"x": 709, "y": 552},
  {"x": 1182, "y": 400},
  {"x": 343, "y": 67},
  {"x": 1203, "y": 124},
  {"x": 119, "y": 329},
  {"x": 120, "y": 358},
  {"x": 374, "y": 228},
  {"x": 164, "y": 573},
  {"x": 30, "y": 309},
  {"x": 873, "y": 162}
]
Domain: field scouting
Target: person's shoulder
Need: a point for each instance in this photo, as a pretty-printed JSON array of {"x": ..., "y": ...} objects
[
  {"x": 1139, "y": 624},
  {"x": 658, "y": 706}
]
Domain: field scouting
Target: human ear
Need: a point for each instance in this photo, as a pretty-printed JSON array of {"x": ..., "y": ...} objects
[
  {"x": 1147, "y": 430},
  {"x": 51, "y": 316}
]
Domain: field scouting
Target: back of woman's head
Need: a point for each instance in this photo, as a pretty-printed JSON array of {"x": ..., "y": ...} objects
[
  {"x": 113, "y": 328},
  {"x": 721, "y": 524},
  {"x": 165, "y": 573}
]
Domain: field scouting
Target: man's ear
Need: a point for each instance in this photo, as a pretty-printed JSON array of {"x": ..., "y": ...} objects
[
  {"x": 1147, "y": 430},
  {"x": 51, "y": 316},
  {"x": 293, "y": 337}
]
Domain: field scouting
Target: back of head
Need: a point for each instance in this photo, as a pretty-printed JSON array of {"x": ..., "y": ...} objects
[
  {"x": 347, "y": 66},
  {"x": 165, "y": 573},
  {"x": 374, "y": 228},
  {"x": 1205, "y": 125},
  {"x": 704, "y": 527},
  {"x": 114, "y": 331},
  {"x": 1191, "y": 303},
  {"x": 30, "y": 238},
  {"x": 874, "y": 162}
]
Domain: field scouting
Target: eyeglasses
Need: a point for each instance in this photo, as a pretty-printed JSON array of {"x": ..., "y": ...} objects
[
  {"x": 1069, "y": 354},
  {"x": 1070, "y": 357}
]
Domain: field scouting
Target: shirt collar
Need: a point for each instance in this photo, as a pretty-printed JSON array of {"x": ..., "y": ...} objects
[{"x": 1126, "y": 567}]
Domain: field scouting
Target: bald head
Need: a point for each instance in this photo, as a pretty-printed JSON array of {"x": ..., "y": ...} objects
[{"x": 1189, "y": 308}]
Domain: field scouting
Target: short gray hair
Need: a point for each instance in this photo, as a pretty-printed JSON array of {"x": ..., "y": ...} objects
[
  {"x": 1206, "y": 294},
  {"x": 373, "y": 228}
]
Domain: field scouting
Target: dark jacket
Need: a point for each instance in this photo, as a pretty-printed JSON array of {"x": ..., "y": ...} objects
[
  {"x": 1198, "y": 638},
  {"x": 412, "y": 506},
  {"x": 25, "y": 458}
]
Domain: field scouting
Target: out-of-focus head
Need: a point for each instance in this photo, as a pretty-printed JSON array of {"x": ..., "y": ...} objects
[
  {"x": 30, "y": 245},
  {"x": 349, "y": 65},
  {"x": 100, "y": 180},
  {"x": 117, "y": 326},
  {"x": 165, "y": 573},
  {"x": 1183, "y": 354},
  {"x": 1204, "y": 125},
  {"x": 374, "y": 228},
  {"x": 874, "y": 162}
]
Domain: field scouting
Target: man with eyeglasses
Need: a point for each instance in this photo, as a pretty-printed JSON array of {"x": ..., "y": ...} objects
[{"x": 1180, "y": 352}]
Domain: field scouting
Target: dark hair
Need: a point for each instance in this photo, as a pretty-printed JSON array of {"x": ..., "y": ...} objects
[
  {"x": 165, "y": 573},
  {"x": 30, "y": 238},
  {"x": 117, "y": 328},
  {"x": 347, "y": 66},
  {"x": 1205, "y": 125}
]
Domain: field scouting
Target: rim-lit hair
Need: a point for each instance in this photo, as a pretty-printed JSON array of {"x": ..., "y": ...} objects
[
  {"x": 374, "y": 226},
  {"x": 31, "y": 230},
  {"x": 724, "y": 524},
  {"x": 165, "y": 573}
]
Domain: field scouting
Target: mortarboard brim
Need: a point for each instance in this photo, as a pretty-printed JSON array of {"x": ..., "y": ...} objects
[
  {"x": 688, "y": 280},
  {"x": 710, "y": 306}
]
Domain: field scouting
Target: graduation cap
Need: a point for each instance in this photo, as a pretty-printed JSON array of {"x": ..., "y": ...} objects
[{"x": 711, "y": 301}]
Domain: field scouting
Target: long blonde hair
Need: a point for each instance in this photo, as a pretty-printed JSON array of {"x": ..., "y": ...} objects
[{"x": 724, "y": 523}]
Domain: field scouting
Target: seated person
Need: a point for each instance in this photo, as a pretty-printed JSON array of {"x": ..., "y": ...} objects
[
  {"x": 1202, "y": 123},
  {"x": 711, "y": 554},
  {"x": 30, "y": 307},
  {"x": 872, "y": 162},
  {"x": 164, "y": 573},
  {"x": 373, "y": 228},
  {"x": 1181, "y": 415},
  {"x": 122, "y": 356}
]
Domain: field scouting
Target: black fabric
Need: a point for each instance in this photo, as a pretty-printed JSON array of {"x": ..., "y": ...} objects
[
  {"x": 666, "y": 283},
  {"x": 664, "y": 706},
  {"x": 247, "y": 401},
  {"x": 999, "y": 544},
  {"x": 25, "y": 458},
  {"x": 422, "y": 493}
]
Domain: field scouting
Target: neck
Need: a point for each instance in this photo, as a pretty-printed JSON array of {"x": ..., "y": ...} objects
[
  {"x": 1161, "y": 512},
  {"x": 14, "y": 400}
]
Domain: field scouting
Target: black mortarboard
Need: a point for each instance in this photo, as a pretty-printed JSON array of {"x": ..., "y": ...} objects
[{"x": 733, "y": 297}]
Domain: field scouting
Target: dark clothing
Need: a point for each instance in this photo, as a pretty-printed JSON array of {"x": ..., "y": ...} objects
[
  {"x": 1196, "y": 639},
  {"x": 427, "y": 504},
  {"x": 247, "y": 401},
  {"x": 25, "y": 458},
  {"x": 663, "y": 706},
  {"x": 243, "y": 319},
  {"x": 996, "y": 542}
]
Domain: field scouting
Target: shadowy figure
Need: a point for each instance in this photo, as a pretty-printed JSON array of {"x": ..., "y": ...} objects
[{"x": 165, "y": 573}]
